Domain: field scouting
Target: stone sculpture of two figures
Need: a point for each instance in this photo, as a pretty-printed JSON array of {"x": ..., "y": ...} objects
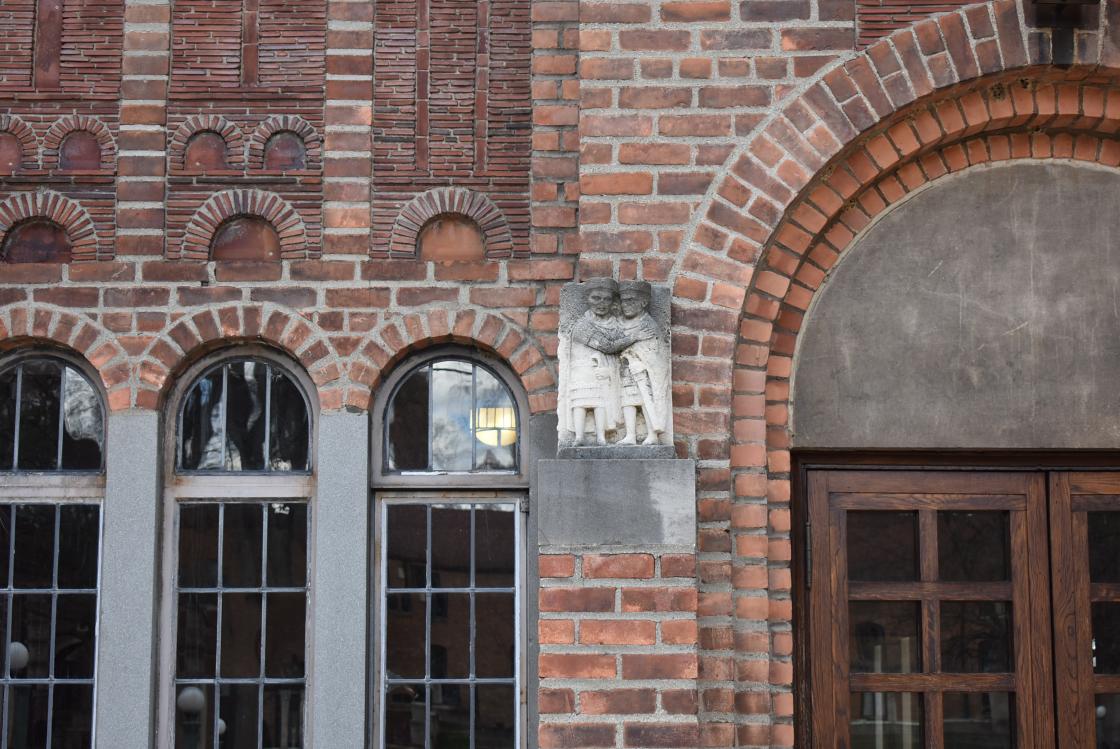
[{"x": 614, "y": 359}]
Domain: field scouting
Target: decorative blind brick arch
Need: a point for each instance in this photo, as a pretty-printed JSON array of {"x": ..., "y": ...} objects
[
  {"x": 234, "y": 203},
  {"x": 63, "y": 211},
  {"x": 230, "y": 133},
  {"x": 56, "y": 134},
  {"x": 13, "y": 125},
  {"x": 451, "y": 200},
  {"x": 312, "y": 142}
]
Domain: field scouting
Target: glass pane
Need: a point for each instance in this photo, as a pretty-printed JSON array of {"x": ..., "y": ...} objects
[
  {"x": 75, "y": 636},
  {"x": 1104, "y": 547},
  {"x": 451, "y": 439},
  {"x": 287, "y": 545},
  {"x": 407, "y": 425},
  {"x": 39, "y": 415},
  {"x": 288, "y": 429},
  {"x": 1106, "y": 638},
  {"x": 495, "y": 424},
  {"x": 882, "y": 546},
  {"x": 241, "y": 545},
  {"x": 27, "y": 716},
  {"x": 450, "y": 722},
  {"x": 976, "y": 637},
  {"x": 5, "y": 542},
  {"x": 197, "y": 635},
  {"x": 887, "y": 720},
  {"x": 407, "y": 533},
  {"x": 201, "y": 428},
  {"x": 494, "y": 546},
  {"x": 30, "y": 649},
  {"x": 72, "y": 717},
  {"x": 194, "y": 717},
  {"x": 980, "y": 719},
  {"x": 885, "y": 637},
  {"x": 494, "y": 638},
  {"x": 495, "y": 717},
  {"x": 245, "y": 421},
  {"x": 284, "y": 636},
  {"x": 7, "y": 417},
  {"x": 34, "y": 558},
  {"x": 237, "y": 714},
  {"x": 241, "y": 635},
  {"x": 451, "y": 635},
  {"x": 283, "y": 716},
  {"x": 451, "y": 547},
  {"x": 198, "y": 546},
  {"x": 83, "y": 430},
  {"x": 974, "y": 546},
  {"x": 405, "y": 716},
  {"x": 404, "y": 629},
  {"x": 78, "y": 535},
  {"x": 1108, "y": 721}
]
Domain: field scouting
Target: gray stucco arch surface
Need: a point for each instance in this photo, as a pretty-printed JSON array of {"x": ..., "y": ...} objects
[{"x": 984, "y": 312}]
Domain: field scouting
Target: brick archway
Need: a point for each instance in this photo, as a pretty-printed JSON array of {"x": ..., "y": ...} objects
[
  {"x": 230, "y": 133},
  {"x": 286, "y": 124},
  {"x": 241, "y": 202},
  {"x": 451, "y": 200},
  {"x": 13, "y": 125},
  {"x": 52, "y": 140},
  {"x": 67, "y": 213}
]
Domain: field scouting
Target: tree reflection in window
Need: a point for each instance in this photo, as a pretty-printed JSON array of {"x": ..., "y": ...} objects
[
  {"x": 244, "y": 415},
  {"x": 451, "y": 415},
  {"x": 51, "y": 418}
]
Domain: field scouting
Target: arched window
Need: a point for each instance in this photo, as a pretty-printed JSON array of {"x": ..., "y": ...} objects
[
  {"x": 52, "y": 436},
  {"x": 237, "y": 555},
  {"x": 285, "y": 150},
  {"x": 80, "y": 150},
  {"x": 450, "y": 567},
  {"x": 245, "y": 238},
  {"x": 206, "y": 151},
  {"x": 36, "y": 240}
]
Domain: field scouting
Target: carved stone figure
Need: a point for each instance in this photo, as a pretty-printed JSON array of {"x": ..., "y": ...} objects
[{"x": 614, "y": 361}]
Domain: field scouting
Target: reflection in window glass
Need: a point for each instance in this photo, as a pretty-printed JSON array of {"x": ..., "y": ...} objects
[
  {"x": 451, "y": 622},
  {"x": 884, "y": 637},
  {"x": 1104, "y": 546},
  {"x": 451, "y": 415},
  {"x": 244, "y": 415},
  {"x": 976, "y": 637},
  {"x": 51, "y": 418},
  {"x": 240, "y": 631},
  {"x": 887, "y": 719},
  {"x": 882, "y": 546},
  {"x": 48, "y": 614},
  {"x": 1108, "y": 721},
  {"x": 984, "y": 719}
]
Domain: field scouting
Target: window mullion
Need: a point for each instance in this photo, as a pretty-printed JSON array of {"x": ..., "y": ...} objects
[
  {"x": 224, "y": 420},
  {"x": 61, "y": 420},
  {"x": 267, "y": 419},
  {"x": 54, "y": 624},
  {"x": 220, "y": 604},
  {"x": 261, "y": 672},
  {"x": 15, "y": 442}
]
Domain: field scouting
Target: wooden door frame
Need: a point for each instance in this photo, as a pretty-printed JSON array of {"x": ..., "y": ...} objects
[{"x": 804, "y": 461}]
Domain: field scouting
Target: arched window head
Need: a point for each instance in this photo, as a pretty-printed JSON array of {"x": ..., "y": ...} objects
[
  {"x": 36, "y": 240},
  {"x": 80, "y": 151},
  {"x": 245, "y": 238},
  {"x": 451, "y": 415},
  {"x": 51, "y": 417},
  {"x": 11, "y": 153},
  {"x": 206, "y": 151},
  {"x": 451, "y": 237},
  {"x": 244, "y": 415},
  {"x": 285, "y": 151}
]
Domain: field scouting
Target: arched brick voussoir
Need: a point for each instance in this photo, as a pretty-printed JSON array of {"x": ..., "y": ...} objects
[
  {"x": 397, "y": 338},
  {"x": 58, "y": 131},
  {"x": 312, "y": 141},
  {"x": 47, "y": 204},
  {"x": 10, "y": 123},
  {"x": 451, "y": 200},
  {"x": 27, "y": 324},
  {"x": 228, "y": 204},
  {"x": 204, "y": 330},
  {"x": 231, "y": 134}
]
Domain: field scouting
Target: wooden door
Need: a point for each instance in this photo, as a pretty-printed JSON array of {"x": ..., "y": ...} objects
[{"x": 930, "y": 610}]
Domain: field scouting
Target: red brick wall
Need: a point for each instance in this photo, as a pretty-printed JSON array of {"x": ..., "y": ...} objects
[{"x": 878, "y": 18}]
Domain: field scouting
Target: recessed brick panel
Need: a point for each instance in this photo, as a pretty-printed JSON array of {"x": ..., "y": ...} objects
[{"x": 878, "y": 18}]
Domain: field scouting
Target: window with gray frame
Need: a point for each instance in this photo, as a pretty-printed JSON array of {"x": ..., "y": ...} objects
[{"x": 52, "y": 433}]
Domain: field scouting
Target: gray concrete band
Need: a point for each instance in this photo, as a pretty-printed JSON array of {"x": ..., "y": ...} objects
[
  {"x": 126, "y": 654},
  {"x": 339, "y": 584}
]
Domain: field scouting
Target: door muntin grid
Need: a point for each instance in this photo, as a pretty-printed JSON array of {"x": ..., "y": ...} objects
[
  {"x": 429, "y": 684},
  {"x": 210, "y": 686}
]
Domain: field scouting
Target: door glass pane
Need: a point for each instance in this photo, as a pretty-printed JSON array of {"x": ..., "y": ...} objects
[
  {"x": 238, "y": 715},
  {"x": 974, "y": 546},
  {"x": 1106, "y": 638},
  {"x": 407, "y": 534},
  {"x": 241, "y": 635},
  {"x": 74, "y": 636},
  {"x": 27, "y": 716},
  {"x": 979, "y": 719},
  {"x": 34, "y": 560},
  {"x": 405, "y": 716},
  {"x": 451, "y": 636},
  {"x": 1108, "y": 721},
  {"x": 78, "y": 536},
  {"x": 886, "y": 720},
  {"x": 494, "y": 635},
  {"x": 30, "y": 650},
  {"x": 884, "y": 637},
  {"x": 451, "y": 547},
  {"x": 405, "y": 621},
  {"x": 882, "y": 546},
  {"x": 194, "y": 717},
  {"x": 287, "y": 545},
  {"x": 1104, "y": 547},
  {"x": 976, "y": 637},
  {"x": 284, "y": 635},
  {"x": 198, "y": 546},
  {"x": 241, "y": 546},
  {"x": 72, "y": 716},
  {"x": 495, "y": 716},
  {"x": 493, "y": 547},
  {"x": 283, "y": 715},
  {"x": 450, "y": 722}
]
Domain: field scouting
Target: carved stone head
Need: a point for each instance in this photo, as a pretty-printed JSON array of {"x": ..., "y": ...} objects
[
  {"x": 634, "y": 297},
  {"x": 600, "y": 294}
]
